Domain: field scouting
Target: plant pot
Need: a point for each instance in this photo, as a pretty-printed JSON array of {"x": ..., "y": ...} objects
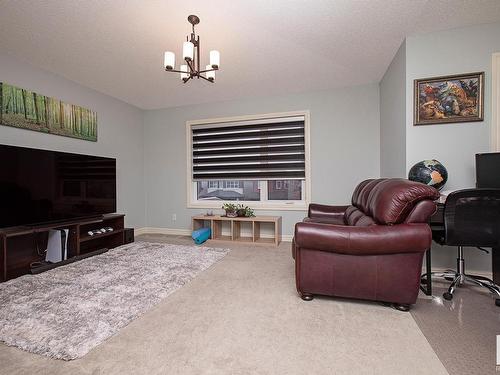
[
  {"x": 241, "y": 213},
  {"x": 231, "y": 214}
]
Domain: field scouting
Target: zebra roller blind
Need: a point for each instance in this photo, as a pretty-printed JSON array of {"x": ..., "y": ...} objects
[{"x": 264, "y": 149}]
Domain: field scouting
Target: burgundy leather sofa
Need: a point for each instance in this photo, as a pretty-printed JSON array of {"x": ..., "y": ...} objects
[{"x": 372, "y": 249}]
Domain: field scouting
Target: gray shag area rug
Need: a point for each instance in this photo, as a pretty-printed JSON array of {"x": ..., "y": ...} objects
[{"x": 65, "y": 312}]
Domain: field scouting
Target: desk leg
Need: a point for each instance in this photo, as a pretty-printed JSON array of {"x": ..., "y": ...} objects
[
  {"x": 428, "y": 276},
  {"x": 495, "y": 264}
]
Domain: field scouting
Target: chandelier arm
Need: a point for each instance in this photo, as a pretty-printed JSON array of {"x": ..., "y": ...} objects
[
  {"x": 208, "y": 70},
  {"x": 191, "y": 67},
  {"x": 174, "y": 71},
  {"x": 206, "y": 79}
]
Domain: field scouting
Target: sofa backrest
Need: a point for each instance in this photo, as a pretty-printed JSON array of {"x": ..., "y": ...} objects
[
  {"x": 355, "y": 217},
  {"x": 390, "y": 201}
]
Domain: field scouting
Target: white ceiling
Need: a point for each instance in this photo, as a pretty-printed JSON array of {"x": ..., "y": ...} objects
[{"x": 267, "y": 47}]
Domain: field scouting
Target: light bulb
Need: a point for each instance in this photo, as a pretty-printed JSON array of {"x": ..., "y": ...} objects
[
  {"x": 169, "y": 62},
  {"x": 187, "y": 51},
  {"x": 184, "y": 68},
  {"x": 210, "y": 75},
  {"x": 214, "y": 59}
]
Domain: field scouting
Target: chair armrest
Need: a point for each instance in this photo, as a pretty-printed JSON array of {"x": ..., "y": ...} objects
[
  {"x": 325, "y": 211},
  {"x": 370, "y": 240}
]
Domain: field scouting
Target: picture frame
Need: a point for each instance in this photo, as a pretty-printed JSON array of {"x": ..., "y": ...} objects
[
  {"x": 449, "y": 99},
  {"x": 25, "y": 109}
]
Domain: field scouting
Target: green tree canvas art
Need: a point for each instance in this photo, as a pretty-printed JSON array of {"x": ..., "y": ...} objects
[{"x": 26, "y": 109}]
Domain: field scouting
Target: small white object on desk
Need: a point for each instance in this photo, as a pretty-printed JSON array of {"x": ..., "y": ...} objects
[{"x": 444, "y": 194}]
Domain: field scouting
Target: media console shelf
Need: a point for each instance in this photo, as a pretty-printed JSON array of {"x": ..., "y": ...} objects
[
  {"x": 20, "y": 246},
  {"x": 241, "y": 229}
]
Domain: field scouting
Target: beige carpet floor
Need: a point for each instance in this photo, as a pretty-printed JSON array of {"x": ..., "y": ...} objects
[{"x": 243, "y": 316}]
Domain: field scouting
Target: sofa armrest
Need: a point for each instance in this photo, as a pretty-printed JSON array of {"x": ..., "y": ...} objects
[
  {"x": 369, "y": 240},
  {"x": 325, "y": 211}
]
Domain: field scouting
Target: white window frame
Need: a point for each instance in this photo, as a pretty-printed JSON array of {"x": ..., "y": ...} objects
[
  {"x": 264, "y": 204},
  {"x": 231, "y": 184},
  {"x": 212, "y": 183}
]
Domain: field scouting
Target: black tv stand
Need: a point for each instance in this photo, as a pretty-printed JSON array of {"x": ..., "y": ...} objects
[
  {"x": 18, "y": 245},
  {"x": 59, "y": 222}
]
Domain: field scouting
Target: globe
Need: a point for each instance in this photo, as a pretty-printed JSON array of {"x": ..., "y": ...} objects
[{"x": 429, "y": 172}]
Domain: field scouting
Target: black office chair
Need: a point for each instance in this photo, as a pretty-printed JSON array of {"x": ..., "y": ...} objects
[{"x": 471, "y": 218}]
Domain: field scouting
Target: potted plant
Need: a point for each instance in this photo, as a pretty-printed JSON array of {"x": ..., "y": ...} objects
[
  {"x": 231, "y": 209},
  {"x": 244, "y": 211},
  {"x": 240, "y": 210},
  {"x": 249, "y": 212}
]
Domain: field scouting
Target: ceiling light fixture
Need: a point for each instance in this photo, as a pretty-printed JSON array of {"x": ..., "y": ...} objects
[{"x": 191, "y": 55}]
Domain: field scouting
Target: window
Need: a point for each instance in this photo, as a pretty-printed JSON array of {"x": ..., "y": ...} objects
[
  {"x": 228, "y": 190},
  {"x": 285, "y": 190},
  {"x": 231, "y": 184},
  {"x": 213, "y": 184},
  {"x": 262, "y": 160}
]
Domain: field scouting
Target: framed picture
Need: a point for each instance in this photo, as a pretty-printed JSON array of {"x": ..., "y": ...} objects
[
  {"x": 25, "y": 109},
  {"x": 449, "y": 99}
]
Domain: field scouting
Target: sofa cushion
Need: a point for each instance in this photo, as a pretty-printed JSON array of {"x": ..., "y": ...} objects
[
  {"x": 355, "y": 217},
  {"x": 355, "y": 200},
  {"x": 334, "y": 220},
  {"x": 361, "y": 195},
  {"x": 391, "y": 200}
]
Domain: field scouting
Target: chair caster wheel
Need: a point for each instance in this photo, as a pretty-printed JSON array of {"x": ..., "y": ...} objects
[
  {"x": 497, "y": 302},
  {"x": 447, "y": 296},
  {"x": 306, "y": 296}
]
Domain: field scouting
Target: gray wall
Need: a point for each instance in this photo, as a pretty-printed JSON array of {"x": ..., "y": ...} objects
[
  {"x": 120, "y": 131},
  {"x": 393, "y": 117},
  {"x": 344, "y": 148},
  {"x": 449, "y": 52}
]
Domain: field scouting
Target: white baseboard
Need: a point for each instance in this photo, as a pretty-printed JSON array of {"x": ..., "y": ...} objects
[
  {"x": 170, "y": 231},
  {"x": 187, "y": 232}
]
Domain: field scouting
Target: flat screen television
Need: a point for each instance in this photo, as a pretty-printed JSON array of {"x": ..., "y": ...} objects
[
  {"x": 41, "y": 186},
  {"x": 488, "y": 170}
]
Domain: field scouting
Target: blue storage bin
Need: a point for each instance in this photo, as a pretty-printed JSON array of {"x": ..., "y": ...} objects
[{"x": 201, "y": 235}]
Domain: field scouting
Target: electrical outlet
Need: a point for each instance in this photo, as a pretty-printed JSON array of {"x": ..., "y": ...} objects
[{"x": 174, "y": 217}]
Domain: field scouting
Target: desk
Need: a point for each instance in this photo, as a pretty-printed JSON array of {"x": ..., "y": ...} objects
[{"x": 436, "y": 223}]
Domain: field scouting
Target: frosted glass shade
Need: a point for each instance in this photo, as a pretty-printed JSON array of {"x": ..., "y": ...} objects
[
  {"x": 187, "y": 51},
  {"x": 214, "y": 59},
  {"x": 169, "y": 62},
  {"x": 184, "y": 68},
  {"x": 210, "y": 75}
]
